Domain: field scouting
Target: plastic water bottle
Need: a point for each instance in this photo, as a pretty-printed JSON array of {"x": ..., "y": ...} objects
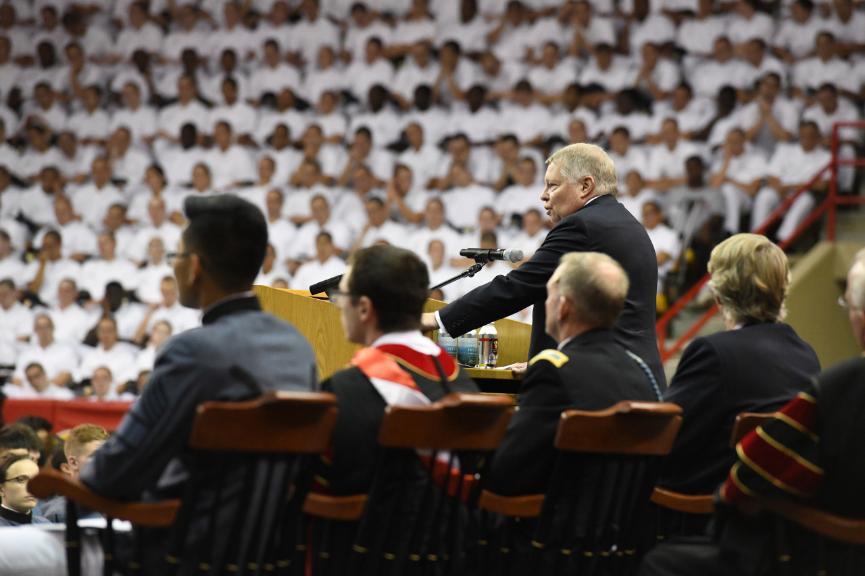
[
  {"x": 467, "y": 345},
  {"x": 449, "y": 343},
  {"x": 488, "y": 347}
]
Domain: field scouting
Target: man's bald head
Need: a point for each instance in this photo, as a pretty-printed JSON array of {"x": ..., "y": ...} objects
[{"x": 595, "y": 284}]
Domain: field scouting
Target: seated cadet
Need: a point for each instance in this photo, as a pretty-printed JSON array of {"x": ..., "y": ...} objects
[
  {"x": 589, "y": 371},
  {"x": 381, "y": 297}
]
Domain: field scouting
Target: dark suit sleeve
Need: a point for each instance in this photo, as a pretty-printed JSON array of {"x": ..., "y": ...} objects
[
  {"x": 506, "y": 295},
  {"x": 154, "y": 430},
  {"x": 525, "y": 459},
  {"x": 697, "y": 388}
]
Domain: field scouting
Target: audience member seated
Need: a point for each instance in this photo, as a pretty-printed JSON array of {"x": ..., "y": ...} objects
[
  {"x": 157, "y": 225},
  {"x": 272, "y": 269},
  {"x": 118, "y": 356},
  {"x": 770, "y": 119},
  {"x": 690, "y": 205},
  {"x": 757, "y": 365},
  {"x": 806, "y": 454},
  {"x": 280, "y": 232},
  {"x": 532, "y": 233},
  {"x": 16, "y": 323},
  {"x": 71, "y": 321},
  {"x": 146, "y": 358},
  {"x": 37, "y": 386},
  {"x": 155, "y": 186},
  {"x": 664, "y": 239},
  {"x": 16, "y": 504},
  {"x": 738, "y": 172},
  {"x": 60, "y": 360},
  {"x": 326, "y": 264},
  {"x": 305, "y": 241},
  {"x": 93, "y": 199},
  {"x": 96, "y": 273},
  {"x": 791, "y": 167},
  {"x": 381, "y": 297},
  {"x": 439, "y": 269},
  {"x": 104, "y": 388},
  {"x": 79, "y": 241},
  {"x": 150, "y": 275},
  {"x": 81, "y": 442},
  {"x": 19, "y": 439},
  {"x": 169, "y": 308},
  {"x": 379, "y": 229},
  {"x": 588, "y": 371}
]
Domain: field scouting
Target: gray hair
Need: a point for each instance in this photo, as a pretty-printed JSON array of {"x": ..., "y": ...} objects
[
  {"x": 578, "y": 160},
  {"x": 596, "y": 285}
]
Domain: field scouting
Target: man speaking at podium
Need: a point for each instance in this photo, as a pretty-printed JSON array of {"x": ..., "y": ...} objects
[{"x": 579, "y": 197}]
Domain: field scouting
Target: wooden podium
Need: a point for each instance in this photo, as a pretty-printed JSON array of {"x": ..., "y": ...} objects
[{"x": 318, "y": 320}]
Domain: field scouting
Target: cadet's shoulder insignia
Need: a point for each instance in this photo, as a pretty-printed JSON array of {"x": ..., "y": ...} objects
[{"x": 550, "y": 355}]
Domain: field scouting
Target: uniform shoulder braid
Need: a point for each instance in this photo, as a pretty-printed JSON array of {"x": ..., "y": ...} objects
[{"x": 551, "y": 355}]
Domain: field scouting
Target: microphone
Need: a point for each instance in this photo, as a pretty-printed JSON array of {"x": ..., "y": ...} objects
[
  {"x": 325, "y": 285},
  {"x": 487, "y": 254}
]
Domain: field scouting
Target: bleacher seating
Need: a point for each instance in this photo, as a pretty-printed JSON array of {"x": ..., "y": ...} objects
[{"x": 124, "y": 108}]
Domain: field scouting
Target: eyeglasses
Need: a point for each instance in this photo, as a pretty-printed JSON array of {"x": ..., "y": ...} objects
[
  {"x": 22, "y": 480},
  {"x": 172, "y": 257},
  {"x": 335, "y": 294}
]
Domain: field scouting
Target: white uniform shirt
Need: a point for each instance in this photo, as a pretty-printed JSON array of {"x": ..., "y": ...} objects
[
  {"x": 462, "y": 205},
  {"x": 92, "y": 203},
  {"x": 315, "y": 271},
  {"x": 96, "y": 273},
  {"x": 55, "y": 358},
  {"x": 71, "y": 324}
]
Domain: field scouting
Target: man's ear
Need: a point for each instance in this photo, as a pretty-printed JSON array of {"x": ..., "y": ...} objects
[
  {"x": 587, "y": 187},
  {"x": 564, "y": 309},
  {"x": 364, "y": 308},
  {"x": 195, "y": 270},
  {"x": 64, "y": 467}
]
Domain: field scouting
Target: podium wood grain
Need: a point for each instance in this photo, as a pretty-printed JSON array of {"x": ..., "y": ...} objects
[{"x": 318, "y": 320}]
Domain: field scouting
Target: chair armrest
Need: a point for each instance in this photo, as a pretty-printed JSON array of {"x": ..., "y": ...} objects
[
  {"x": 515, "y": 506},
  {"x": 346, "y": 508},
  {"x": 849, "y": 530},
  {"x": 50, "y": 482},
  {"x": 687, "y": 503}
]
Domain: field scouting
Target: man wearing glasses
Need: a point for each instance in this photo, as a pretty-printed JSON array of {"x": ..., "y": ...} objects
[
  {"x": 239, "y": 352},
  {"x": 381, "y": 297}
]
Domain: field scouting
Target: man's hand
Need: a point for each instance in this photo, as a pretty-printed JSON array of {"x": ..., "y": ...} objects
[
  {"x": 428, "y": 322},
  {"x": 518, "y": 368}
]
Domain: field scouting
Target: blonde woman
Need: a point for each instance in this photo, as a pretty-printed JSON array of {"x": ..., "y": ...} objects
[{"x": 756, "y": 365}]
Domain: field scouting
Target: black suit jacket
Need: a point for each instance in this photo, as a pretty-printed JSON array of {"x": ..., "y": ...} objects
[
  {"x": 603, "y": 225},
  {"x": 757, "y": 368},
  {"x": 840, "y": 406},
  {"x": 596, "y": 374}
]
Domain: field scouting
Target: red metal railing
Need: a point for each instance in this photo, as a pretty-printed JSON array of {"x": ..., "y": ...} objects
[{"x": 829, "y": 205}]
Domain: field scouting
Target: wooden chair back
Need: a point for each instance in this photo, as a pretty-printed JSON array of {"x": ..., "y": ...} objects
[
  {"x": 415, "y": 515},
  {"x": 277, "y": 422},
  {"x": 635, "y": 428},
  {"x": 746, "y": 422},
  {"x": 592, "y": 518},
  {"x": 251, "y": 467},
  {"x": 680, "y": 514},
  {"x": 456, "y": 422}
]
